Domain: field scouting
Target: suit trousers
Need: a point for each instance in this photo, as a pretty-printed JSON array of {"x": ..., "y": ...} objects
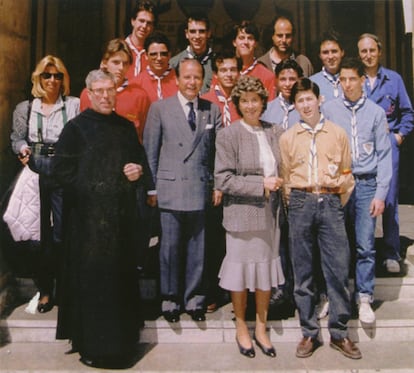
[{"x": 182, "y": 253}]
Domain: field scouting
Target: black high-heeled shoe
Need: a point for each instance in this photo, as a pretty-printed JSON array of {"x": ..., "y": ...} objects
[
  {"x": 248, "y": 352},
  {"x": 269, "y": 351}
]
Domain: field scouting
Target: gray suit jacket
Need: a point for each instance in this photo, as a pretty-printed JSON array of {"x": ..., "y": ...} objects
[
  {"x": 181, "y": 161},
  {"x": 239, "y": 176}
]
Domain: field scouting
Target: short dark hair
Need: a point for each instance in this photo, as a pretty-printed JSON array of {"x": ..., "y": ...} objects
[
  {"x": 226, "y": 54},
  {"x": 354, "y": 64},
  {"x": 304, "y": 84},
  {"x": 147, "y": 6},
  {"x": 177, "y": 68},
  {"x": 159, "y": 38},
  {"x": 289, "y": 63},
  {"x": 198, "y": 17},
  {"x": 248, "y": 27},
  {"x": 331, "y": 35}
]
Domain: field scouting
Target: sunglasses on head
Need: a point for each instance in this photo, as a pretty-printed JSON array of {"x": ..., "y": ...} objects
[{"x": 57, "y": 76}]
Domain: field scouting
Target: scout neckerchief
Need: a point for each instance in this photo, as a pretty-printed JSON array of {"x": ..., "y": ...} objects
[
  {"x": 333, "y": 79},
  {"x": 313, "y": 158},
  {"x": 287, "y": 108},
  {"x": 225, "y": 101},
  {"x": 158, "y": 79},
  {"x": 122, "y": 86},
  {"x": 354, "y": 106},
  {"x": 202, "y": 59},
  {"x": 137, "y": 67},
  {"x": 250, "y": 68}
]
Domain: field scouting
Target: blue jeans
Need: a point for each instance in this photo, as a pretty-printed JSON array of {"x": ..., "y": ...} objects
[
  {"x": 316, "y": 222},
  {"x": 364, "y": 225}
]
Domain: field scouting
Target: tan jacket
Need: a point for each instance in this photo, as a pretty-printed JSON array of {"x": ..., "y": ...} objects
[
  {"x": 239, "y": 176},
  {"x": 334, "y": 159}
]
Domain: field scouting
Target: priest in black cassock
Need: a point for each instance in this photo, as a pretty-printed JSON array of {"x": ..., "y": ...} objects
[{"x": 100, "y": 163}]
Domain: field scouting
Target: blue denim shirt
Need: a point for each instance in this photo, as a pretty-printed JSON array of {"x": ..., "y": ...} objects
[
  {"x": 325, "y": 86},
  {"x": 373, "y": 141},
  {"x": 389, "y": 92}
]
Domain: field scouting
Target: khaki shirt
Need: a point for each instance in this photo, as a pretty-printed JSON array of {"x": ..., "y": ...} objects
[{"x": 333, "y": 154}]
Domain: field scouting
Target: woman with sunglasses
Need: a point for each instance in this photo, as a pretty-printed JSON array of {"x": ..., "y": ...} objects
[{"x": 37, "y": 125}]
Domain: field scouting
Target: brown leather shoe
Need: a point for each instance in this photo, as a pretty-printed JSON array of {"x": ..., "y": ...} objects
[
  {"x": 346, "y": 347},
  {"x": 306, "y": 347}
]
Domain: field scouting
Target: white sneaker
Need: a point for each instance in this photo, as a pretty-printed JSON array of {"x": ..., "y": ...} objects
[
  {"x": 392, "y": 266},
  {"x": 322, "y": 308},
  {"x": 366, "y": 314}
]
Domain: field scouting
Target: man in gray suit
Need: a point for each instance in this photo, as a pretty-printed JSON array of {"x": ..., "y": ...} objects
[{"x": 179, "y": 139}]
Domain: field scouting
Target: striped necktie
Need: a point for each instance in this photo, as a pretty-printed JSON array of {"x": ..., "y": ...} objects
[
  {"x": 158, "y": 79},
  {"x": 226, "y": 109},
  {"x": 287, "y": 108},
  {"x": 333, "y": 79},
  {"x": 137, "y": 67},
  {"x": 354, "y": 106},
  {"x": 313, "y": 178}
]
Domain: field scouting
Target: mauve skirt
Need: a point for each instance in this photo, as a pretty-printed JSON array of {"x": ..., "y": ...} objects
[{"x": 252, "y": 258}]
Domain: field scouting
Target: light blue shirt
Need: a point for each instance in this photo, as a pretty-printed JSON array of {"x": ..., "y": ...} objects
[
  {"x": 274, "y": 114},
  {"x": 373, "y": 141},
  {"x": 326, "y": 88}
]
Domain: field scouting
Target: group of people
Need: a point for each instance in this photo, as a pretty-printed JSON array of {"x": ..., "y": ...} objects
[{"x": 295, "y": 166}]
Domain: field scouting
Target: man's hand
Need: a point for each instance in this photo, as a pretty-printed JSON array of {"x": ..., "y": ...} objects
[
  {"x": 217, "y": 197},
  {"x": 152, "y": 200},
  {"x": 132, "y": 171},
  {"x": 376, "y": 208},
  {"x": 272, "y": 183}
]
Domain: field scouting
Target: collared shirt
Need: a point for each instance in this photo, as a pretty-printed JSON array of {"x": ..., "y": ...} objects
[
  {"x": 274, "y": 114},
  {"x": 333, "y": 159},
  {"x": 373, "y": 140},
  {"x": 184, "y": 102},
  {"x": 149, "y": 85},
  {"x": 325, "y": 86},
  {"x": 137, "y": 52},
  {"x": 389, "y": 92}
]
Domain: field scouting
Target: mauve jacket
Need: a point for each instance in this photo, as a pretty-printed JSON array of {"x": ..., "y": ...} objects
[{"x": 239, "y": 176}]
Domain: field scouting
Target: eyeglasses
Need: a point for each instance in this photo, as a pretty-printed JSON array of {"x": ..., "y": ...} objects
[
  {"x": 101, "y": 91},
  {"x": 156, "y": 54},
  {"x": 57, "y": 76}
]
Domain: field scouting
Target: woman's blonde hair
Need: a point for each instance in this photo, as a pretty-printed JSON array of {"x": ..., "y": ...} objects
[
  {"x": 37, "y": 90},
  {"x": 245, "y": 84}
]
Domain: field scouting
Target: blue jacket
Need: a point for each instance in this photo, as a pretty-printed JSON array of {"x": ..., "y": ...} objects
[{"x": 389, "y": 92}]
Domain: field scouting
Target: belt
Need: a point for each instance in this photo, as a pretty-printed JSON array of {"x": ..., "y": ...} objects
[
  {"x": 365, "y": 176},
  {"x": 319, "y": 190},
  {"x": 39, "y": 148}
]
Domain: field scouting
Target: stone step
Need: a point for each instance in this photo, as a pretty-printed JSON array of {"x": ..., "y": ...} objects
[{"x": 395, "y": 322}]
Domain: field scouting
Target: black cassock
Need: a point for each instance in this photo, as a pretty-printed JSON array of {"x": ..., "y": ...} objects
[{"x": 99, "y": 293}]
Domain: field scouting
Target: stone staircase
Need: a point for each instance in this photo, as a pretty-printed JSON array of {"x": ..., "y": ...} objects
[{"x": 394, "y": 308}]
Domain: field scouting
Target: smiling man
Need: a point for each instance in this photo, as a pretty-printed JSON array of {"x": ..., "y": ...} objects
[
  {"x": 331, "y": 54},
  {"x": 281, "y": 110},
  {"x": 143, "y": 19},
  {"x": 158, "y": 79},
  {"x": 367, "y": 129},
  {"x": 198, "y": 34},
  {"x": 100, "y": 164},
  {"x": 245, "y": 39},
  {"x": 317, "y": 186},
  {"x": 180, "y": 143}
]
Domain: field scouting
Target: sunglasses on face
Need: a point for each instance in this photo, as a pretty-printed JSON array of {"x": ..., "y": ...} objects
[
  {"x": 57, "y": 76},
  {"x": 156, "y": 54}
]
